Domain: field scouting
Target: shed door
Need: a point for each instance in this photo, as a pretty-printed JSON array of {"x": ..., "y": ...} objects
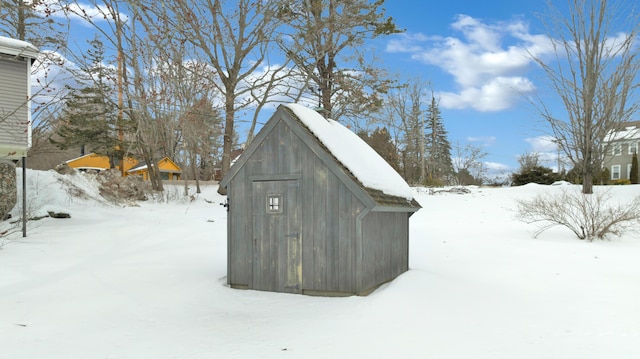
[{"x": 277, "y": 247}]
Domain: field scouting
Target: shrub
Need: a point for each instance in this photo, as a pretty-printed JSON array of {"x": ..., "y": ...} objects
[
  {"x": 538, "y": 174},
  {"x": 620, "y": 182},
  {"x": 433, "y": 182},
  {"x": 586, "y": 215}
]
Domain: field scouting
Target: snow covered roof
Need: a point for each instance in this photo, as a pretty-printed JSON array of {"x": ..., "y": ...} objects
[
  {"x": 15, "y": 47},
  {"x": 366, "y": 165},
  {"x": 629, "y": 132}
]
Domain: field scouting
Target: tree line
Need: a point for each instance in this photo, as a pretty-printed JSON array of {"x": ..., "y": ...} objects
[{"x": 181, "y": 77}]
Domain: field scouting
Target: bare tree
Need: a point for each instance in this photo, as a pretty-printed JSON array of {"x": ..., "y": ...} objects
[
  {"x": 529, "y": 160},
  {"x": 593, "y": 73},
  {"x": 467, "y": 164},
  {"x": 587, "y": 216},
  {"x": 33, "y": 22},
  {"x": 325, "y": 47},
  {"x": 231, "y": 36},
  {"x": 405, "y": 114},
  {"x": 137, "y": 96}
]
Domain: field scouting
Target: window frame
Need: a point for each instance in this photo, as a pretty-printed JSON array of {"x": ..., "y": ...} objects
[
  {"x": 274, "y": 203},
  {"x": 613, "y": 172},
  {"x": 616, "y": 149}
]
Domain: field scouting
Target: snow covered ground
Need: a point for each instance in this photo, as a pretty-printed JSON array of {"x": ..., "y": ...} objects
[{"x": 149, "y": 282}]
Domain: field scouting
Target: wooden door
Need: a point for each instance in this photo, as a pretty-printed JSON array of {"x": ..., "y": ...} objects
[{"x": 277, "y": 244}]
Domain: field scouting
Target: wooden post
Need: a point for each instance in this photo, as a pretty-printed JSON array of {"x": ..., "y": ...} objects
[{"x": 24, "y": 196}]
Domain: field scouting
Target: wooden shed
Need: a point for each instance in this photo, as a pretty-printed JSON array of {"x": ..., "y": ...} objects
[{"x": 314, "y": 210}]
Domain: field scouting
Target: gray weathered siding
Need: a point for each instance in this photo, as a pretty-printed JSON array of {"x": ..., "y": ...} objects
[
  {"x": 327, "y": 206},
  {"x": 13, "y": 97},
  {"x": 385, "y": 247},
  {"x": 345, "y": 246}
]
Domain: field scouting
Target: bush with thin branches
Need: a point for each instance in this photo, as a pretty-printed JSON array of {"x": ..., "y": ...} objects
[{"x": 589, "y": 216}]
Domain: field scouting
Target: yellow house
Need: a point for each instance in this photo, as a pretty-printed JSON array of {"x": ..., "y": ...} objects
[
  {"x": 96, "y": 162},
  {"x": 168, "y": 169}
]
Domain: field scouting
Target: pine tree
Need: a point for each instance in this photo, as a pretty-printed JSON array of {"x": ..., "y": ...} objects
[
  {"x": 89, "y": 116},
  {"x": 438, "y": 148},
  {"x": 633, "y": 176}
]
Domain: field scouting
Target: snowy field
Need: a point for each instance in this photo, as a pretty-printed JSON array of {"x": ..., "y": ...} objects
[{"x": 149, "y": 282}]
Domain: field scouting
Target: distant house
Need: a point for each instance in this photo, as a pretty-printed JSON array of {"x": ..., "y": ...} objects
[
  {"x": 96, "y": 162},
  {"x": 16, "y": 58},
  {"x": 621, "y": 145},
  {"x": 168, "y": 169},
  {"x": 314, "y": 210}
]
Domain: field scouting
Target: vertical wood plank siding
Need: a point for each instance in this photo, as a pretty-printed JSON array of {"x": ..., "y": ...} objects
[
  {"x": 329, "y": 214},
  {"x": 385, "y": 247}
]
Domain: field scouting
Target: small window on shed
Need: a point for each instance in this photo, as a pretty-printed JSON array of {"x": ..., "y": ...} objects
[{"x": 274, "y": 203}]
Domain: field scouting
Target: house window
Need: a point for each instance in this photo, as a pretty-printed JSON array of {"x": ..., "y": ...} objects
[
  {"x": 615, "y": 172},
  {"x": 633, "y": 148},
  {"x": 629, "y": 171},
  {"x": 617, "y": 149},
  {"x": 274, "y": 203}
]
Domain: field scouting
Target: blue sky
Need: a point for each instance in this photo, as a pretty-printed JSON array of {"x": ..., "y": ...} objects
[{"x": 475, "y": 56}]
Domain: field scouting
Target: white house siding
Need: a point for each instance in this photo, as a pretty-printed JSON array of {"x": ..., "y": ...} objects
[{"x": 14, "y": 109}]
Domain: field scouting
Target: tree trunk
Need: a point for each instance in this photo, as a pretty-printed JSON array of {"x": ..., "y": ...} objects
[
  {"x": 154, "y": 176},
  {"x": 227, "y": 145},
  {"x": 587, "y": 183},
  {"x": 195, "y": 172}
]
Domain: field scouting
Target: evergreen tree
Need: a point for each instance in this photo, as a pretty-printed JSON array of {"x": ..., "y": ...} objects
[
  {"x": 537, "y": 174},
  {"x": 380, "y": 141},
  {"x": 89, "y": 116},
  {"x": 438, "y": 148},
  {"x": 633, "y": 176},
  {"x": 413, "y": 164}
]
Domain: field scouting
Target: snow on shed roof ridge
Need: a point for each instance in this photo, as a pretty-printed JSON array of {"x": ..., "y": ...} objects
[{"x": 355, "y": 154}]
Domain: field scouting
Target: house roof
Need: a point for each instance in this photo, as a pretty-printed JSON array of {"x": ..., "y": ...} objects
[
  {"x": 15, "y": 47},
  {"x": 626, "y": 131},
  {"x": 97, "y": 161},
  {"x": 162, "y": 165}
]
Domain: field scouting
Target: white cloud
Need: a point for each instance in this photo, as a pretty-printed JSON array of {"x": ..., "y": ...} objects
[
  {"x": 409, "y": 42},
  {"x": 542, "y": 144},
  {"x": 547, "y": 150},
  {"x": 496, "y": 166},
  {"x": 486, "y": 141},
  {"x": 494, "y": 95},
  {"x": 77, "y": 11},
  {"x": 488, "y": 61}
]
